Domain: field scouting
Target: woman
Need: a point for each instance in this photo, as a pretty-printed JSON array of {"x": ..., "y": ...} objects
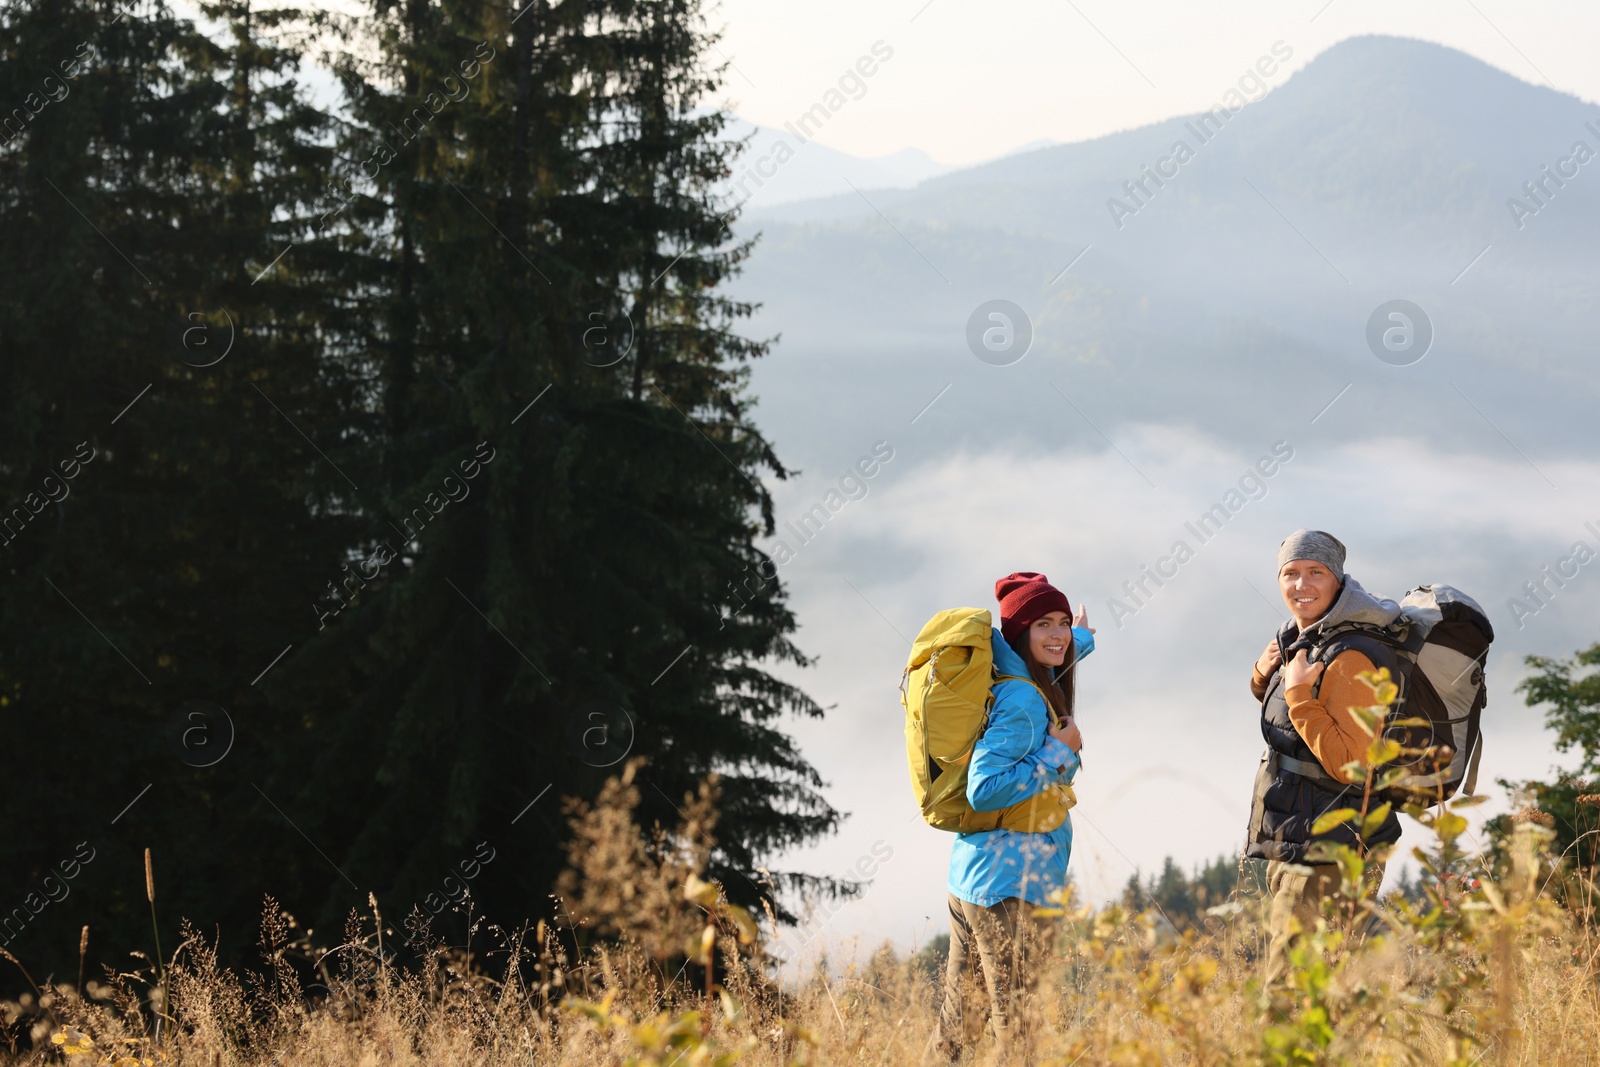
[{"x": 997, "y": 877}]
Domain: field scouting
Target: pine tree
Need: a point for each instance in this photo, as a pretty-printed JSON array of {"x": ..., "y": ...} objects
[
  {"x": 1180, "y": 898},
  {"x": 1133, "y": 894},
  {"x": 145, "y": 333},
  {"x": 1172, "y": 892},
  {"x": 364, "y": 476},
  {"x": 578, "y": 577},
  {"x": 1215, "y": 882}
]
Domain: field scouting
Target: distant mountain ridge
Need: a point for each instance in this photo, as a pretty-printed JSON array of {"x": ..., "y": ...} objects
[
  {"x": 1421, "y": 109},
  {"x": 767, "y": 175},
  {"x": 1385, "y": 168},
  {"x": 778, "y": 167}
]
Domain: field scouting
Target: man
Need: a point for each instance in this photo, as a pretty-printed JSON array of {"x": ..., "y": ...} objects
[{"x": 1311, "y": 732}]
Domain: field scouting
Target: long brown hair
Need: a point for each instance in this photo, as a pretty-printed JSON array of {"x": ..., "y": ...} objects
[{"x": 1061, "y": 691}]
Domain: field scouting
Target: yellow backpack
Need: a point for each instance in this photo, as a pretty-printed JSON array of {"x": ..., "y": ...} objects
[{"x": 947, "y": 690}]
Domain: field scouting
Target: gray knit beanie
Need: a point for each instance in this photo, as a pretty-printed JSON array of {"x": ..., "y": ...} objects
[{"x": 1313, "y": 544}]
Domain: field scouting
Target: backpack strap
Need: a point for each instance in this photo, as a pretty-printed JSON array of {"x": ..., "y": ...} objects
[
  {"x": 1313, "y": 771},
  {"x": 1049, "y": 708},
  {"x": 1470, "y": 786},
  {"x": 1388, "y": 635}
]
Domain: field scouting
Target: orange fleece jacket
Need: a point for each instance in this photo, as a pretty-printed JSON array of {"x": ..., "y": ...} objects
[{"x": 1325, "y": 722}]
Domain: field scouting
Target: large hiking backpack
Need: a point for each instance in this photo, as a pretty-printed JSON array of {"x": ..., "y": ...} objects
[
  {"x": 1442, "y": 640},
  {"x": 947, "y": 691}
]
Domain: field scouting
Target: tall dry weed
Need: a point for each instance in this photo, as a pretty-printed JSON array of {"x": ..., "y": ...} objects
[{"x": 643, "y": 961}]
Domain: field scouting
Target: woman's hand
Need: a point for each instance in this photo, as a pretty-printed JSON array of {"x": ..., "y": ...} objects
[
  {"x": 1068, "y": 735},
  {"x": 1269, "y": 659},
  {"x": 1081, "y": 618},
  {"x": 1301, "y": 671}
]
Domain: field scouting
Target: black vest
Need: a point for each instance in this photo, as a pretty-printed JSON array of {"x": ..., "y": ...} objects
[{"x": 1286, "y": 803}]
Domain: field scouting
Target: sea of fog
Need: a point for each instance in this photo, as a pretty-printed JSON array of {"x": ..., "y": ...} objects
[{"x": 1171, "y": 732}]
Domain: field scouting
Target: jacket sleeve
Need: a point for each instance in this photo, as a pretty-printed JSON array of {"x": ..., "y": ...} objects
[
  {"x": 1016, "y": 758},
  {"x": 1258, "y": 684},
  {"x": 1082, "y": 643},
  {"x": 1325, "y": 722}
]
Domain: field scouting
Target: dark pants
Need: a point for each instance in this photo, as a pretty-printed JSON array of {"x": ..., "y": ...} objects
[{"x": 1007, "y": 941}]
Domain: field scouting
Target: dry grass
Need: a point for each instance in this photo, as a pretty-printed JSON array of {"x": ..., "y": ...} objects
[{"x": 1492, "y": 972}]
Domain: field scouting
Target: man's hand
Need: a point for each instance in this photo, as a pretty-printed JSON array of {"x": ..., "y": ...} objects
[
  {"x": 1301, "y": 671},
  {"x": 1081, "y": 618},
  {"x": 1269, "y": 659},
  {"x": 1068, "y": 735}
]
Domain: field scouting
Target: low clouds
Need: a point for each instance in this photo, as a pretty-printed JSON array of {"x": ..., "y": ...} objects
[{"x": 1171, "y": 731}]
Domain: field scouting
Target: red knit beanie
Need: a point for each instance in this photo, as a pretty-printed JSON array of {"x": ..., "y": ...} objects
[{"x": 1025, "y": 597}]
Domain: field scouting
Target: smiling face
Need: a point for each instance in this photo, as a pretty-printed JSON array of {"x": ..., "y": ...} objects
[
  {"x": 1309, "y": 588},
  {"x": 1049, "y": 637}
]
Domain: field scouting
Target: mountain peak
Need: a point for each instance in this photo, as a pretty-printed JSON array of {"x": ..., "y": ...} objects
[{"x": 1445, "y": 78}]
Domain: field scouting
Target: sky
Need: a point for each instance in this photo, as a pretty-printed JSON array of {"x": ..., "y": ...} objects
[{"x": 968, "y": 81}]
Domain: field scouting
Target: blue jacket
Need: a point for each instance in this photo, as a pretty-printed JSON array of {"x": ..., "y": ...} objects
[{"x": 1014, "y": 759}]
